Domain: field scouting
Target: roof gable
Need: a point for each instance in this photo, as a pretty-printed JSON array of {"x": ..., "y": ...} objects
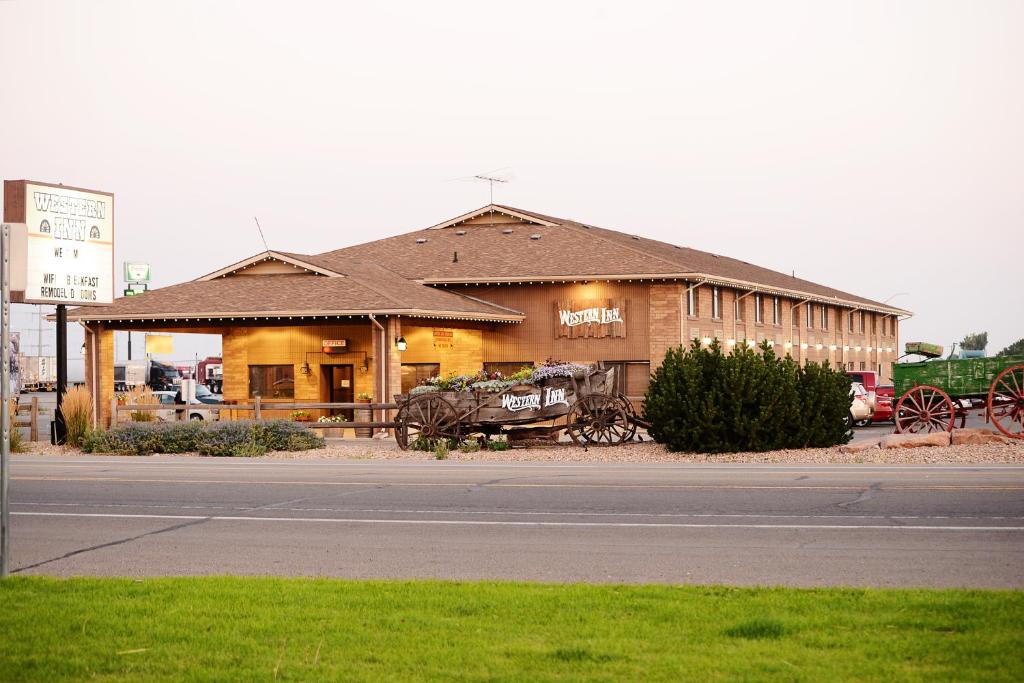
[
  {"x": 269, "y": 263},
  {"x": 493, "y": 214}
]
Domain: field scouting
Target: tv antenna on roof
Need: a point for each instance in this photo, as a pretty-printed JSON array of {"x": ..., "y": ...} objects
[
  {"x": 260, "y": 228},
  {"x": 490, "y": 177}
]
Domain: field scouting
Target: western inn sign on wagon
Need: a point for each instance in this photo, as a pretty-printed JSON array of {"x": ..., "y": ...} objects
[{"x": 497, "y": 288}]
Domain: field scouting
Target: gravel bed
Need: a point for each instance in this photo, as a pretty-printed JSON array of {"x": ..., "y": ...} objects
[{"x": 647, "y": 452}]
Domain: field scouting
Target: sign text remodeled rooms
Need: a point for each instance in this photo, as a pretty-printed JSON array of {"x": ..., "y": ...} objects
[{"x": 601, "y": 318}]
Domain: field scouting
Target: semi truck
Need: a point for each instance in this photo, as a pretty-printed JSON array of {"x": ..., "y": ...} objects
[
  {"x": 38, "y": 373},
  {"x": 154, "y": 374},
  {"x": 210, "y": 371}
]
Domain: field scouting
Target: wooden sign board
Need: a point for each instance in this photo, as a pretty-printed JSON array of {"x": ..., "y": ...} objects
[
  {"x": 590, "y": 318},
  {"x": 334, "y": 345}
]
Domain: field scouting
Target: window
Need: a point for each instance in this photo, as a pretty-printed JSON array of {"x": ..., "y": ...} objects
[
  {"x": 414, "y": 374},
  {"x": 776, "y": 311},
  {"x": 507, "y": 368},
  {"x": 631, "y": 377},
  {"x": 824, "y": 317},
  {"x": 863, "y": 365},
  {"x": 862, "y": 324},
  {"x": 874, "y": 324},
  {"x": 737, "y": 308},
  {"x": 691, "y": 301},
  {"x": 849, "y": 321},
  {"x": 758, "y": 309},
  {"x": 272, "y": 381},
  {"x": 810, "y": 315},
  {"x": 716, "y": 309}
]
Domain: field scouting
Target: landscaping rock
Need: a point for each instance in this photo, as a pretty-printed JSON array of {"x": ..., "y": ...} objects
[
  {"x": 915, "y": 440},
  {"x": 860, "y": 446},
  {"x": 971, "y": 437}
]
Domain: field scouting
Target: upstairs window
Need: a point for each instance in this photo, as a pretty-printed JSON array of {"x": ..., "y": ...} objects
[
  {"x": 691, "y": 301},
  {"x": 824, "y": 317},
  {"x": 716, "y": 309},
  {"x": 810, "y": 315},
  {"x": 776, "y": 311},
  {"x": 758, "y": 309}
]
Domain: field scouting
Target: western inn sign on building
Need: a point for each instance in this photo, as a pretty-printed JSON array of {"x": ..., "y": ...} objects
[{"x": 498, "y": 288}]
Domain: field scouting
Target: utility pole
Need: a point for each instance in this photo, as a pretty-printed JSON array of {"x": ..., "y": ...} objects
[{"x": 5, "y": 398}]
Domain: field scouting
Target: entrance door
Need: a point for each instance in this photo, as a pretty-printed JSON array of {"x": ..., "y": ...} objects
[{"x": 338, "y": 379}]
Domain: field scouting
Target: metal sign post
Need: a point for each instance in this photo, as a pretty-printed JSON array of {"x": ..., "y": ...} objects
[{"x": 5, "y": 397}]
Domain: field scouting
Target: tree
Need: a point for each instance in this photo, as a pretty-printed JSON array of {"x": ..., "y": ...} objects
[
  {"x": 974, "y": 342},
  {"x": 1014, "y": 349}
]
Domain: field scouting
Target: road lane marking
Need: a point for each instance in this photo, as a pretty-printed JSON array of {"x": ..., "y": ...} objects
[
  {"x": 477, "y": 522},
  {"x": 438, "y": 484},
  {"x": 550, "y": 513}
]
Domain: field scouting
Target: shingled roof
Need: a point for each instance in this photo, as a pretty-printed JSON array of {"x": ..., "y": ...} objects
[
  {"x": 406, "y": 274},
  {"x": 517, "y": 245},
  {"x": 373, "y": 290}
]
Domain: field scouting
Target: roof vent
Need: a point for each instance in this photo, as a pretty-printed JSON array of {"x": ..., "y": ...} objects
[
  {"x": 506, "y": 231},
  {"x": 460, "y": 233},
  {"x": 534, "y": 236},
  {"x": 421, "y": 240}
]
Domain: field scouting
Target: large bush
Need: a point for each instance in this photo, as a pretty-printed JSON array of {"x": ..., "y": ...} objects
[
  {"x": 702, "y": 400},
  {"x": 229, "y": 438}
]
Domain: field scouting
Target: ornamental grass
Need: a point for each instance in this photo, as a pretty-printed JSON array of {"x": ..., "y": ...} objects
[{"x": 76, "y": 407}]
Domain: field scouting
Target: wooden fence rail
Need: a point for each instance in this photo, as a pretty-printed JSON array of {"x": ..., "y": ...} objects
[
  {"x": 32, "y": 408},
  {"x": 183, "y": 410}
]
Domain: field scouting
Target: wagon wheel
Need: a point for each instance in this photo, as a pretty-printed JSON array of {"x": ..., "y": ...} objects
[
  {"x": 431, "y": 417},
  {"x": 1006, "y": 402},
  {"x": 598, "y": 420},
  {"x": 924, "y": 409},
  {"x": 631, "y": 417}
]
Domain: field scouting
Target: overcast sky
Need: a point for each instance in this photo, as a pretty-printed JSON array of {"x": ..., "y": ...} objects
[{"x": 873, "y": 147}]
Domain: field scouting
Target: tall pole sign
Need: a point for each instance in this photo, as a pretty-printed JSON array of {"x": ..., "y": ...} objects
[{"x": 69, "y": 255}]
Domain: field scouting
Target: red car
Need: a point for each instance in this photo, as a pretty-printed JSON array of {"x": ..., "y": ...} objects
[{"x": 885, "y": 404}]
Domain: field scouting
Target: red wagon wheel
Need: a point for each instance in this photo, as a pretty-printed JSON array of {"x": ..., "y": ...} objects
[
  {"x": 924, "y": 409},
  {"x": 1006, "y": 401}
]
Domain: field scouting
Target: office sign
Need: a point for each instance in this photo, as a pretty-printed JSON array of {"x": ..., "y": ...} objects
[{"x": 69, "y": 253}]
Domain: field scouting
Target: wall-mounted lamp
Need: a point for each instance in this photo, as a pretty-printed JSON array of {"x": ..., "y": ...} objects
[
  {"x": 304, "y": 369},
  {"x": 401, "y": 344}
]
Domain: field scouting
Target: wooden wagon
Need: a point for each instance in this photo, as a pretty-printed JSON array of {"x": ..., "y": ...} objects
[
  {"x": 935, "y": 394},
  {"x": 586, "y": 407}
]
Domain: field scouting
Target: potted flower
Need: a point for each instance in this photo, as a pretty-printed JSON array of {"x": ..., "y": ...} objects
[
  {"x": 364, "y": 415},
  {"x": 302, "y": 416},
  {"x": 331, "y": 419}
]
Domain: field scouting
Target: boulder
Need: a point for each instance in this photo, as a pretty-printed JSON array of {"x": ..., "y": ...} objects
[
  {"x": 915, "y": 440},
  {"x": 859, "y": 447},
  {"x": 971, "y": 437}
]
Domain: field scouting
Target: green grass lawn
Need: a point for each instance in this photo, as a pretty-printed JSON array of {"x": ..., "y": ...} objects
[{"x": 240, "y": 629}]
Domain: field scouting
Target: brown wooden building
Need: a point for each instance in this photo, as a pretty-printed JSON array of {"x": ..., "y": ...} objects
[{"x": 499, "y": 288}]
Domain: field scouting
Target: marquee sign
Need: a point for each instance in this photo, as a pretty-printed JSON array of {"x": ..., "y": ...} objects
[
  {"x": 69, "y": 256},
  {"x": 590, "y": 318}
]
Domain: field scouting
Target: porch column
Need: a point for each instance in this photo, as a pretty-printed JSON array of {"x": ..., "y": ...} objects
[
  {"x": 99, "y": 371},
  {"x": 394, "y": 359}
]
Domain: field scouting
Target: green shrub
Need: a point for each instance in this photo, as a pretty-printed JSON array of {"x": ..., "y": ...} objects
[
  {"x": 701, "y": 400},
  {"x": 497, "y": 445},
  {"x": 229, "y": 438},
  {"x": 441, "y": 449},
  {"x": 469, "y": 446}
]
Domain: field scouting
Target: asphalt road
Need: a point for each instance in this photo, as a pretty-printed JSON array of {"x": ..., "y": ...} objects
[{"x": 738, "y": 524}]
